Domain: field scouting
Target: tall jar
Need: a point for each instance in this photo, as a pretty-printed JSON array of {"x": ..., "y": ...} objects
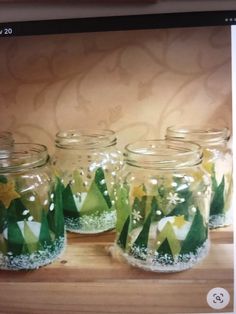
[
  {"x": 162, "y": 201},
  {"x": 217, "y": 161},
  {"x": 87, "y": 162},
  {"x": 31, "y": 217}
]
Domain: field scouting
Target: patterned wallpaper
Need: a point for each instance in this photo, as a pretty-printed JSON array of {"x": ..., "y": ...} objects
[{"x": 135, "y": 82}]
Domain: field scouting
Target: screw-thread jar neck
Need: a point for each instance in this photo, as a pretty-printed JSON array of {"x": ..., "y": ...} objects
[
  {"x": 23, "y": 156},
  {"x": 202, "y": 136},
  {"x": 163, "y": 154},
  {"x": 85, "y": 139}
]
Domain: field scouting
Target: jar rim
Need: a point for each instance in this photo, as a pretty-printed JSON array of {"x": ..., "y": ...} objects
[
  {"x": 209, "y": 135},
  {"x": 162, "y": 153},
  {"x": 85, "y": 138},
  {"x": 22, "y": 156}
]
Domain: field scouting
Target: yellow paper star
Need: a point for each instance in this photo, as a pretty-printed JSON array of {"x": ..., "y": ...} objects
[
  {"x": 138, "y": 192},
  {"x": 8, "y": 193},
  {"x": 208, "y": 161},
  {"x": 179, "y": 221}
]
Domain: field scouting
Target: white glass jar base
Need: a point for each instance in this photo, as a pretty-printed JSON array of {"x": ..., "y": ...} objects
[
  {"x": 33, "y": 260},
  {"x": 185, "y": 262},
  {"x": 89, "y": 224},
  {"x": 220, "y": 221}
]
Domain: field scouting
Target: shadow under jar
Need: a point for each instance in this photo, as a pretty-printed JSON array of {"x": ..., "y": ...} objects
[
  {"x": 217, "y": 161},
  {"x": 31, "y": 218},
  {"x": 87, "y": 162},
  {"x": 162, "y": 202}
]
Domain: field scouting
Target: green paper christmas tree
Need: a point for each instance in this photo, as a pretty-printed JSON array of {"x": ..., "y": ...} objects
[
  {"x": 141, "y": 241},
  {"x": 168, "y": 234},
  {"x": 122, "y": 207},
  {"x": 217, "y": 204},
  {"x": 44, "y": 235},
  {"x": 165, "y": 250},
  {"x": 94, "y": 201},
  {"x": 196, "y": 236},
  {"x": 123, "y": 237},
  {"x": 30, "y": 239},
  {"x": 97, "y": 199},
  {"x": 55, "y": 216},
  {"x": 69, "y": 206},
  {"x": 101, "y": 184},
  {"x": 15, "y": 239}
]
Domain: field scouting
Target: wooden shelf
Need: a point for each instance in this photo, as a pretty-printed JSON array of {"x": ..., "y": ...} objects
[{"x": 86, "y": 279}]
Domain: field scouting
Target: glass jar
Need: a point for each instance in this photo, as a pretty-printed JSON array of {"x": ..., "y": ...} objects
[
  {"x": 217, "y": 161},
  {"x": 162, "y": 200},
  {"x": 87, "y": 162},
  {"x": 31, "y": 218}
]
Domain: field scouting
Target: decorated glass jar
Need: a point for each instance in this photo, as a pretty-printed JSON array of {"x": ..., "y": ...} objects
[
  {"x": 217, "y": 161},
  {"x": 162, "y": 200},
  {"x": 31, "y": 217},
  {"x": 87, "y": 162}
]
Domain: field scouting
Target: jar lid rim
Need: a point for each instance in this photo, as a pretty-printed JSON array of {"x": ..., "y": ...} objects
[
  {"x": 23, "y": 155},
  {"x": 84, "y": 131},
  {"x": 210, "y": 135},
  {"x": 85, "y": 138},
  {"x": 163, "y": 153},
  {"x": 158, "y": 142}
]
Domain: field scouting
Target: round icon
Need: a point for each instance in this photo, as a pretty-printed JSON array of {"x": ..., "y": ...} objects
[{"x": 218, "y": 298}]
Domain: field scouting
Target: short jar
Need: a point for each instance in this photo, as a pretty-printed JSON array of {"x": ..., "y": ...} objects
[
  {"x": 87, "y": 162},
  {"x": 217, "y": 161},
  {"x": 31, "y": 218},
  {"x": 162, "y": 200}
]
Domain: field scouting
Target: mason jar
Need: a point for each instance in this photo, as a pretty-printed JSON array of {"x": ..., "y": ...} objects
[
  {"x": 162, "y": 199},
  {"x": 217, "y": 161},
  {"x": 87, "y": 162},
  {"x": 31, "y": 217}
]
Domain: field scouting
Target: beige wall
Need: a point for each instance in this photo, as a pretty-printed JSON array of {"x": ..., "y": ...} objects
[{"x": 135, "y": 82}]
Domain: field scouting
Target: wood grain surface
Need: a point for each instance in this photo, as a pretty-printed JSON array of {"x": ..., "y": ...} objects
[{"x": 87, "y": 279}]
